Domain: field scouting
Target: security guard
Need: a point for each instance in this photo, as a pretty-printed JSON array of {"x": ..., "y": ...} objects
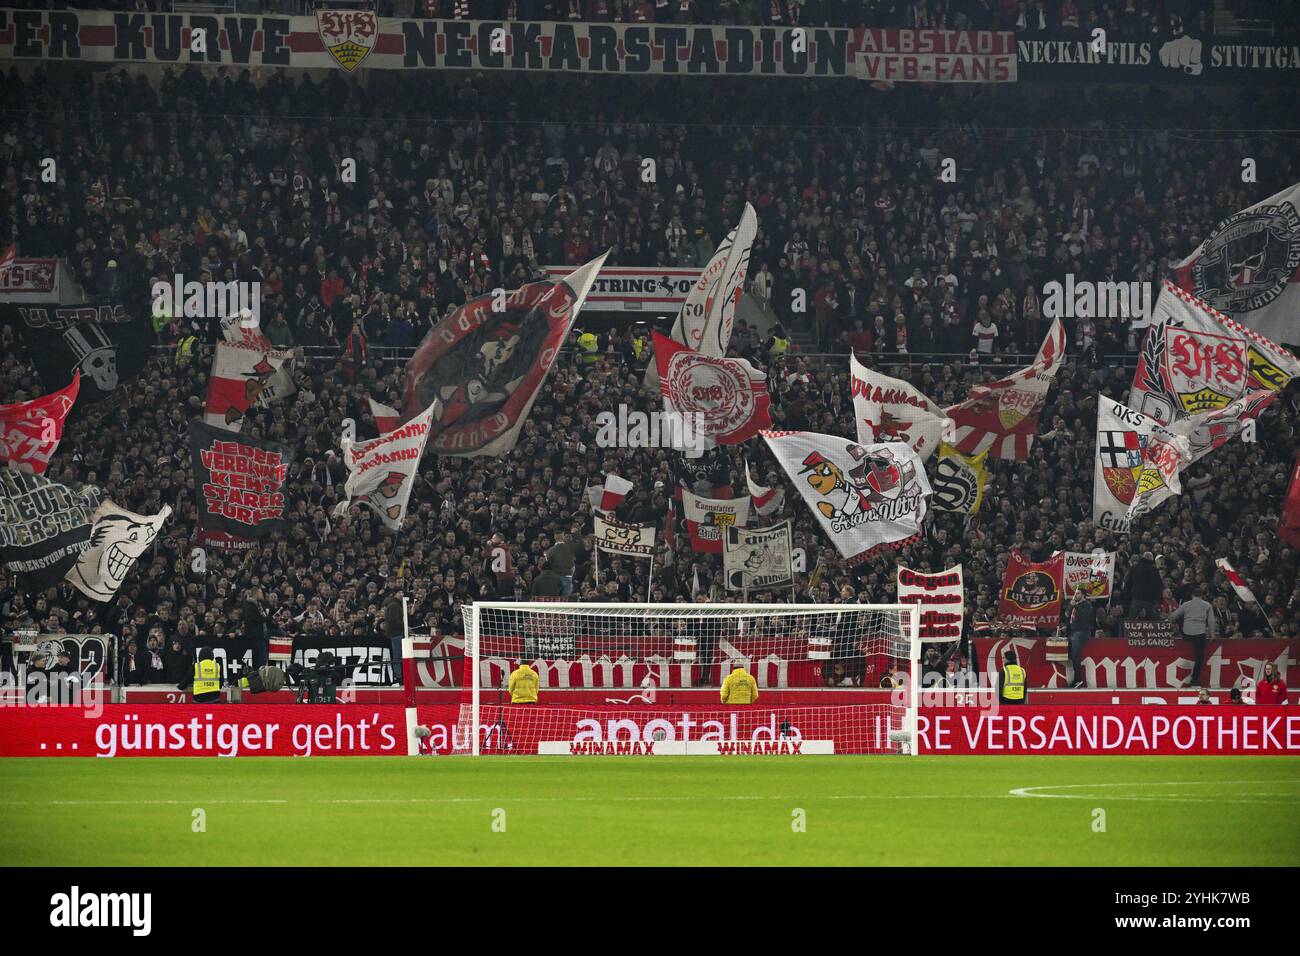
[
  {"x": 185, "y": 350},
  {"x": 778, "y": 343},
  {"x": 588, "y": 344},
  {"x": 739, "y": 687},
  {"x": 206, "y": 687},
  {"x": 523, "y": 685},
  {"x": 1011, "y": 682}
]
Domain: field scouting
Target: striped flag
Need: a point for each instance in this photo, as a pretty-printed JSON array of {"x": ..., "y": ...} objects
[{"x": 1239, "y": 585}]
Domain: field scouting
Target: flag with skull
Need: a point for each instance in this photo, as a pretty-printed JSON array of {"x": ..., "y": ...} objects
[{"x": 106, "y": 344}]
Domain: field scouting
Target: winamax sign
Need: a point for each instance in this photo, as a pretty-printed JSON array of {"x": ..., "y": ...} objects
[
  {"x": 351, "y": 40},
  {"x": 1185, "y": 59}
]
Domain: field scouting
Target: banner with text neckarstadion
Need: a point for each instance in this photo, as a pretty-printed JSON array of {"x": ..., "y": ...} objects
[
  {"x": 1194, "y": 61},
  {"x": 349, "y": 40},
  {"x": 239, "y": 482}
]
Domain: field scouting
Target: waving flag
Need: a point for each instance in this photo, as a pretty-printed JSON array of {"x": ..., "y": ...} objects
[
  {"x": 1249, "y": 267},
  {"x": 239, "y": 483},
  {"x": 117, "y": 538},
  {"x": 709, "y": 312},
  {"x": 959, "y": 481},
  {"x": 1239, "y": 585},
  {"x": 381, "y": 472},
  {"x": 727, "y": 396},
  {"x": 44, "y": 527},
  {"x": 1002, "y": 417},
  {"x": 865, "y": 497},
  {"x": 385, "y": 416},
  {"x": 30, "y": 431},
  {"x": 481, "y": 368},
  {"x": 764, "y": 501},
  {"x": 890, "y": 409},
  {"x": 1137, "y": 465},
  {"x": 1195, "y": 360},
  {"x": 607, "y": 497},
  {"x": 242, "y": 378}
]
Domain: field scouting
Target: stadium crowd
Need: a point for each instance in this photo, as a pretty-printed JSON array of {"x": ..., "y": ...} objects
[{"x": 217, "y": 178}]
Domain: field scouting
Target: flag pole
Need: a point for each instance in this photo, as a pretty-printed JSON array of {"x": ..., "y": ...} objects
[{"x": 649, "y": 588}]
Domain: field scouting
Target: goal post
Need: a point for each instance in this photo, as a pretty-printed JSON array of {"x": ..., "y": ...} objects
[{"x": 646, "y": 678}]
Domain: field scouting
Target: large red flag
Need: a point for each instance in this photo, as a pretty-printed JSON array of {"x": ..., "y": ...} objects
[
  {"x": 1031, "y": 591},
  {"x": 30, "y": 431}
]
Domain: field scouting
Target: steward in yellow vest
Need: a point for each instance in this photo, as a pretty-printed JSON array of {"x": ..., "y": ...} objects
[
  {"x": 1011, "y": 682},
  {"x": 739, "y": 687},
  {"x": 523, "y": 685},
  {"x": 588, "y": 344},
  {"x": 185, "y": 350},
  {"x": 207, "y": 678}
]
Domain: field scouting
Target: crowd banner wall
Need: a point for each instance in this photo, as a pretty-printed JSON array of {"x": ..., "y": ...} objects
[
  {"x": 349, "y": 40},
  {"x": 249, "y": 730},
  {"x": 1186, "y": 60},
  {"x": 1151, "y": 659}
]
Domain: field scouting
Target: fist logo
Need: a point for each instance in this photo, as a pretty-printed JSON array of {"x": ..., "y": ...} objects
[{"x": 1182, "y": 54}]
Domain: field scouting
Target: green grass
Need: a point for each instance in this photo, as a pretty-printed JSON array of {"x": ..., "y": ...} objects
[{"x": 1238, "y": 811}]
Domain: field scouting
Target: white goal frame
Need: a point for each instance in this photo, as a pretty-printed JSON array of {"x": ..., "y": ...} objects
[{"x": 473, "y": 617}]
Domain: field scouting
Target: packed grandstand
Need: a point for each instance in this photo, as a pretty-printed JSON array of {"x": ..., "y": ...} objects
[{"x": 914, "y": 227}]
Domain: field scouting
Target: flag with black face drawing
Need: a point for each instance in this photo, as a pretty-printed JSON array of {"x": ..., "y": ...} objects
[
  {"x": 117, "y": 538},
  {"x": 382, "y": 471}
]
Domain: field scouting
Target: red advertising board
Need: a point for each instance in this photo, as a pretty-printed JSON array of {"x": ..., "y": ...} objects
[
  {"x": 188, "y": 730},
  {"x": 1157, "y": 661}
]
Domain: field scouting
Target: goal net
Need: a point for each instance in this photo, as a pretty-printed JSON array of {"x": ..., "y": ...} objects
[{"x": 646, "y": 678}]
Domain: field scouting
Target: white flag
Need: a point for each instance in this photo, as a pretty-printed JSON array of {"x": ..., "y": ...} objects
[
  {"x": 865, "y": 497},
  {"x": 117, "y": 538},
  {"x": 1239, "y": 585},
  {"x": 382, "y": 471}
]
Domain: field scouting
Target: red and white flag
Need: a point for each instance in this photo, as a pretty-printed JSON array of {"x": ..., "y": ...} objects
[
  {"x": 30, "y": 431},
  {"x": 1249, "y": 267},
  {"x": 605, "y": 498},
  {"x": 1239, "y": 585},
  {"x": 721, "y": 401},
  {"x": 765, "y": 501},
  {"x": 1002, "y": 417},
  {"x": 890, "y": 409},
  {"x": 242, "y": 377},
  {"x": 707, "y": 520},
  {"x": 386, "y": 417}
]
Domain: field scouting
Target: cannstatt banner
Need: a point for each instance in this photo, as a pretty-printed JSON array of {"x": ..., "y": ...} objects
[
  {"x": 1182, "y": 60},
  {"x": 351, "y": 40}
]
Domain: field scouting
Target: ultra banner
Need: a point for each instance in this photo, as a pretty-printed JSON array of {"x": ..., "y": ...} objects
[
  {"x": 941, "y": 598},
  {"x": 239, "y": 482},
  {"x": 755, "y": 558},
  {"x": 1031, "y": 591},
  {"x": 44, "y": 526},
  {"x": 355, "y": 39},
  {"x": 1155, "y": 659},
  {"x": 1188, "y": 60}
]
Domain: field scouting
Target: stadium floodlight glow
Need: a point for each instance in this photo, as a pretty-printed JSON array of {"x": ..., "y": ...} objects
[{"x": 818, "y": 669}]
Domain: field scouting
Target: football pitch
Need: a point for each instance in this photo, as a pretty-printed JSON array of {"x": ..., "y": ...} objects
[{"x": 818, "y": 811}]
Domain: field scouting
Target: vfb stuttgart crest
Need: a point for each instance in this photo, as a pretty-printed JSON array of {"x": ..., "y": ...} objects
[
  {"x": 1247, "y": 262},
  {"x": 348, "y": 35}
]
